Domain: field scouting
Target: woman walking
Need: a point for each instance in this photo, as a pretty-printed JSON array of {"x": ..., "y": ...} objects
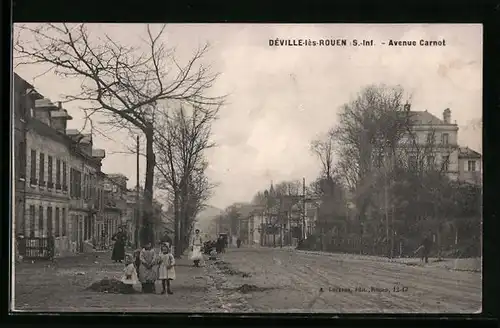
[
  {"x": 147, "y": 275},
  {"x": 120, "y": 239},
  {"x": 196, "y": 245}
]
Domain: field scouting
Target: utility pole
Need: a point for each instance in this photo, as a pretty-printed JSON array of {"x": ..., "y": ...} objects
[
  {"x": 280, "y": 216},
  {"x": 304, "y": 208},
  {"x": 386, "y": 204},
  {"x": 392, "y": 231},
  {"x": 137, "y": 197}
]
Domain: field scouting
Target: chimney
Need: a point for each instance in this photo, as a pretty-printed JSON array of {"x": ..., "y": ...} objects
[
  {"x": 447, "y": 116},
  {"x": 59, "y": 118}
]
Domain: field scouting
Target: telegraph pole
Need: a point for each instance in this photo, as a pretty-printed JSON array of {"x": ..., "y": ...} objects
[
  {"x": 137, "y": 198},
  {"x": 386, "y": 204},
  {"x": 304, "y": 208}
]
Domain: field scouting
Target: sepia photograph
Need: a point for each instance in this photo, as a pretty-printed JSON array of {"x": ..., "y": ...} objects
[{"x": 247, "y": 168}]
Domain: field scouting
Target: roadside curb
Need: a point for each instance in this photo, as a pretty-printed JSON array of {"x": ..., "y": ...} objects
[{"x": 402, "y": 261}]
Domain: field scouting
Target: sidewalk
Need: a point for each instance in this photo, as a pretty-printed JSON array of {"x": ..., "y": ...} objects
[
  {"x": 60, "y": 286},
  {"x": 464, "y": 264}
]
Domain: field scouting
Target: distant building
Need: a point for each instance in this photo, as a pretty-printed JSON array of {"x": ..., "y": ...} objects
[
  {"x": 132, "y": 219},
  {"x": 446, "y": 154},
  {"x": 469, "y": 166},
  {"x": 114, "y": 208}
]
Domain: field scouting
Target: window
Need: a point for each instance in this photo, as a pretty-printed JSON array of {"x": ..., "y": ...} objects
[
  {"x": 22, "y": 160},
  {"x": 101, "y": 199},
  {"x": 32, "y": 221},
  {"x": 71, "y": 183},
  {"x": 57, "y": 223},
  {"x": 50, "y": 167},
  {"x": 40, "y": 221},
  {"x": 75, "y": 183},
  {"x": 58, "y": 174},
  {"x": 445, "y": 137},
  {"x": 86, "y": 185},
  {"x": 96, "y": 199},
  {"x": 78, "y": 183},
  {"x": 49, "y": 221},
  {"x": 41, "y": 172},
  {"x": 471, "y": 165},
  {"x": 446, "y": 162},
  {"x": 33, "y": 179},
  {"x": 430, "y": 137},
  {"x": 64, "y": 177},
  {"x": 64, "y": 222}
]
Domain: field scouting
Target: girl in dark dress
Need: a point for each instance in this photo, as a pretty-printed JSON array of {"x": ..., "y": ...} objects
[{"x": 120, "y": 240}]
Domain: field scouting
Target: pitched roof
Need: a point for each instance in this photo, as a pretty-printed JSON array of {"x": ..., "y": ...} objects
[
  {"x": 424, "y": 117},
  {"x": 466, "y": 152},
  {"x": 45, "y": 103}
]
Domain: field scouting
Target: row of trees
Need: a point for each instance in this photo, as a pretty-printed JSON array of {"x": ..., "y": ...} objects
[
  {"x": 375, "y": 156},
  {"x": 144, "y": 90}
]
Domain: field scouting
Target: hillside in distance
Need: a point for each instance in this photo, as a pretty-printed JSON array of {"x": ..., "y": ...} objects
[{"x": 206, "y": 220}]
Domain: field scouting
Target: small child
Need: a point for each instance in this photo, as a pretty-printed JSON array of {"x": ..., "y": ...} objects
[
  {"x": 166, "y": 270},
  {"x": 129, "y": 275}
]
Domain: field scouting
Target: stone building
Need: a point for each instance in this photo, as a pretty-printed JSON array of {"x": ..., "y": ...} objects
[
  {"x": 53, "y": 162},
  {"x": 115, "y": 208},
  {"x": 86, "y": 196},
  {"x": 459, "y": 163},
  {"x": 24, "y": 97}
]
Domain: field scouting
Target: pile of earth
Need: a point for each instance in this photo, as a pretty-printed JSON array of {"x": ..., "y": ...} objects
[
  {"x": 112, "y": 286},
  {"x": 226, "y": 269},
  {"x": 246, "y": 288}
]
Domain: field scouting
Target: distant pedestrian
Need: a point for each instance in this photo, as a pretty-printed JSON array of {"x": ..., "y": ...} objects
[
  {"x": 165, "y": 239},
  {"x": 129, "y": 277},
  {"x": 238, "y": 242},
  {"x": 196, "y": 245},
  {"x": 147, "y": 274},
  {"x": 426, "y": 248},
  {"x": 166, "y": 269},
  {"x": 218, "y": 245},
  {"x": 120, "y": 239}
]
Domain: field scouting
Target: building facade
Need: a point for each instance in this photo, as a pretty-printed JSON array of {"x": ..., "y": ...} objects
[
  {"x": 114, "y": 208},
  {"x": 23, "y": 100},
  {"x": 458, "y": 163},
  {"x": 53, "y": 163}
]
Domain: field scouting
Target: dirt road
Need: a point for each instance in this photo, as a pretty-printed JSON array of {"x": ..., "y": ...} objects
[
  {"x": 274, "y": 280},
  {"x": 61, "y": 286}
]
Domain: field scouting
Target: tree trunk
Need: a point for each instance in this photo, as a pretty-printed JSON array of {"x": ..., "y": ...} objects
[
  {"x": 147, "y": 234},
  {"x": 177, "y": 242}
]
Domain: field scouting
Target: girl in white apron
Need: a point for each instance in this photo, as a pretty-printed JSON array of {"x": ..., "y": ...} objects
[
  {"x": 196, "y": 245},
  {"x": 166, "y": 269}
]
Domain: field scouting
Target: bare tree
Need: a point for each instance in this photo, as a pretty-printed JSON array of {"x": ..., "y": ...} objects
[
  {"x": 181, "y": 162},
  {"x": 124, "y": 83},
  {"x": 324, "y": 148},
  {"x": 370, "y": 125}
]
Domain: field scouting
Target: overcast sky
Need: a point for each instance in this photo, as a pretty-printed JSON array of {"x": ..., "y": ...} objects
[{"x": 282, "y": 97}]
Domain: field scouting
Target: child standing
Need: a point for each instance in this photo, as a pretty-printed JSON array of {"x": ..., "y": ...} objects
[
  {"x": 166, "y": 270},
  {"x": 129, "y": 275}
]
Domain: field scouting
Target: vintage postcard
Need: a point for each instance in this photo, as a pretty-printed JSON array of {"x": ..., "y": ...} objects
[{"x": 251, "y": 168}]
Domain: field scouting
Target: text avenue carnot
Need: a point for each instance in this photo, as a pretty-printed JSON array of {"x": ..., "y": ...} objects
[{"x": 354, "y": 43}]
